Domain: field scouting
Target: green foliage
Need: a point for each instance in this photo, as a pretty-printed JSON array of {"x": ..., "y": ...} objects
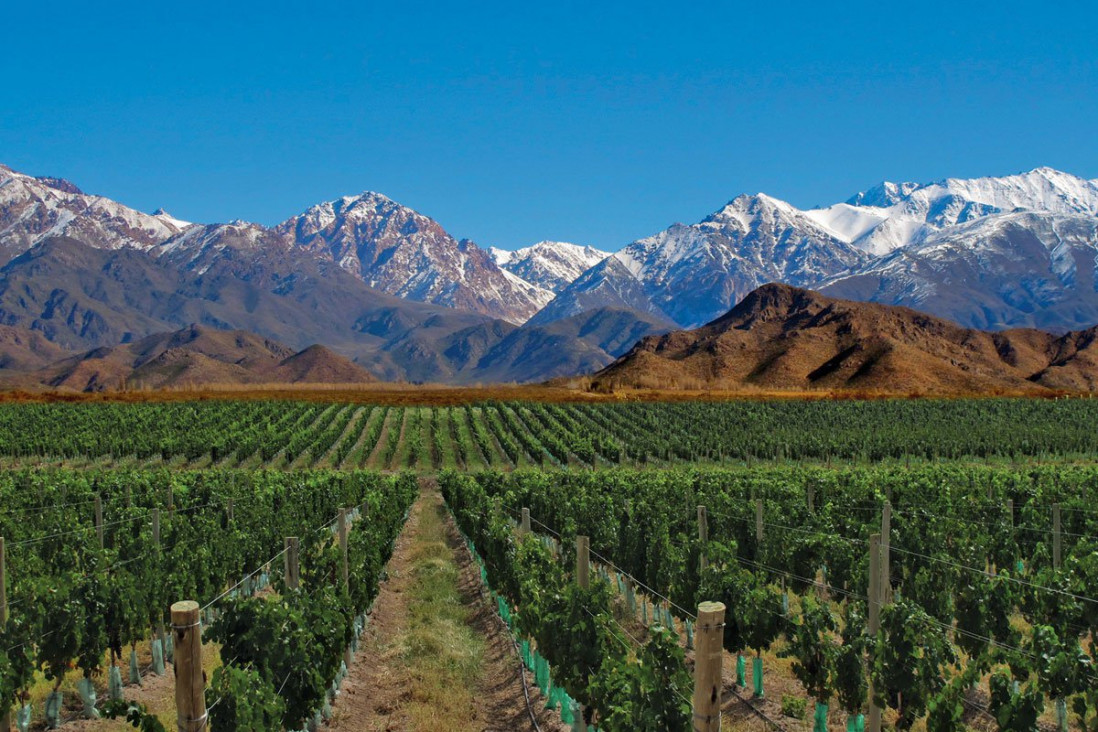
[
  {"x": 1062, "y": 666},
  {"x": 16, "y": 661},
  {"x": 946, "y": 709},
  {"x": 794, "y": 707},
  {"x": 138, "y": 717},
  {"x": 851, "y": 682},
  {"x": 1015, "y": 710},
  {"x": 649, "y": 692},
  {"x": 813, "y": 648},
  {"x": 240, "y": 698},
  {"x": 910, "y": 659}
]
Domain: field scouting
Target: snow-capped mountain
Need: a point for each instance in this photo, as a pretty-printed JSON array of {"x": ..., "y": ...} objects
[
  {"x": 35, "y": 209},
  {"x": 893, "y": 215},
  {"x": 402, "y": 252},
  {"x": 388, "y": 246},
  {"x": 551, "y": 265},
  {"x": 887, "y": 235},
  {"x": 1020, "y": 269},
  {"x": 692, "y": 274}
]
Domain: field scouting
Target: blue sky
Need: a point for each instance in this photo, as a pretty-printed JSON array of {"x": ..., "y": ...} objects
[{"x": 513, "y": 122}]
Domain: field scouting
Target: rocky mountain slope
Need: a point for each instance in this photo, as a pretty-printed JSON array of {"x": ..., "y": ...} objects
[
  {"x": 786, "y": 338},
  {"x": 197, "y": 356},
  {"x": 691, "y": 274},
  {"x": 390, "y": 288},
  {"x": 22, "y": 349},
  {"x": 893, "y": 215},
  {"x": 550, "y": 265},
  {"x": 404, "y": 253},
  {"x": 1004, "y": 271},
  {"x": 35, "y": 209},
  {"x": 987, "y": 252},
  {"x": 75, "y": 297},
  {"x": 386, "y": 245}
]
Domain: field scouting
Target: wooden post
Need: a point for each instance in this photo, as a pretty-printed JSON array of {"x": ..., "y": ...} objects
[
  {"x": 229, "y": 510},
  {"x": 343, "y": 547},
  {"x": 5, "y": 713},
  {"x": 3, "y": 585},
  {"x": 758, "y": 520},
  {"x": 156, "y": 548},
  {"x": 708, "y": 653},
  {"x": 874, "y": 602},
  {"x": 703, "y": 537},
  {"x": 98, "y": 523},
  {"x": 811, "y": 498},
  {"x": 293, "y": 569},
  {"x": 343, "y": 526},
  {"x": 171, "y": 500},
  {"x": 886, "y": 552},
  {"x": 526, "y": 521},
  {"x": 190, "y": 682},
  {"x": 1057, "y": 537},
  {"x": 583, "y": 561}
]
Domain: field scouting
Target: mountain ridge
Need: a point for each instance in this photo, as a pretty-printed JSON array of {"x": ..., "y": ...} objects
[{"x": 786, "y": 338}]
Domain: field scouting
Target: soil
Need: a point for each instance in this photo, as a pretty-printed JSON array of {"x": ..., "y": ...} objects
[{"x": 379, "y": 691}]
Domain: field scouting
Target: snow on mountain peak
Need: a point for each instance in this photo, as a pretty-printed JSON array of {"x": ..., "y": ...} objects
[
  {"x": 893, "y": 215},
  {"x": 167, "y": 218},
  {"x": 550, "y": 265}
]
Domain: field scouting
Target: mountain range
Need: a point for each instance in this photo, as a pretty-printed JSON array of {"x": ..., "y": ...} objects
[
  {"x": 993, "y": 253},
  {"x": 390, "y": 289},
  {"x": 790, "y": 339}
]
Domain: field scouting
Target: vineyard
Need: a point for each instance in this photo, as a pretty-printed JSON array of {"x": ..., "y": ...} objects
[
  {"x": 507, "y": 435},
  {"x": 757, "y": 565}
]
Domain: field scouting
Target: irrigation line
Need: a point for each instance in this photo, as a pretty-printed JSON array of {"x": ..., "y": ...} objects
[
  {"x": 39, "y": 539},
  {"x": 815, "y": 532},
  {"x": 514, "y": 642},
  {"x": 621, "y": 571},
  {"x": 893, "y": 547},
  {"x": 989, "y": 574},
  {"x": 244, "y": 579},
  {"x": 43, "y": 509},
  {"x": 650, "y": 591},
  {"x": 633, "y": 638}
]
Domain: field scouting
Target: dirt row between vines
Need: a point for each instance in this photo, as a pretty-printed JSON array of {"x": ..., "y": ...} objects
[
  {"x": 445, "y": 664},
  {"x": 454, "y": 669}
]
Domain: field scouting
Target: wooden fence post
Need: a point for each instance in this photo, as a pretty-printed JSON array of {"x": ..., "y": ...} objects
[
  {"x": 703, "y": 537},
  {"x": 98, "y": 523},
  {"x": 758, "y": 520},
  {"x": 156, "y": 548},
  {"x": 293, "y": 569},
  {"x": 583, "y": 561},
  {"x": 708, "y": 654},
  {"x": 343, "y": 526},
  {"x": 874, "y": 602},
  {"x": 886, "y": 553},
  {"x": 526, "y": 521},
  {"x": 811, "y": 498},
  {"x": 5, "y": 713},
  {"x": 190, "y": 682},
  {"x": 583, "y": 579},
  {"x": 1057, "y": 536},
  {"x": 343, "y": 548},
  {"x": 230, "y": 510}
]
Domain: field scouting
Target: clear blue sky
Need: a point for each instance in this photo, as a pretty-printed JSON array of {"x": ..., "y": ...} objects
[{"x": 511, "y": 122}]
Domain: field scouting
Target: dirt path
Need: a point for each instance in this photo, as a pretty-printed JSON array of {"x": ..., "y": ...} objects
[{"x": 435, "y": 655}]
